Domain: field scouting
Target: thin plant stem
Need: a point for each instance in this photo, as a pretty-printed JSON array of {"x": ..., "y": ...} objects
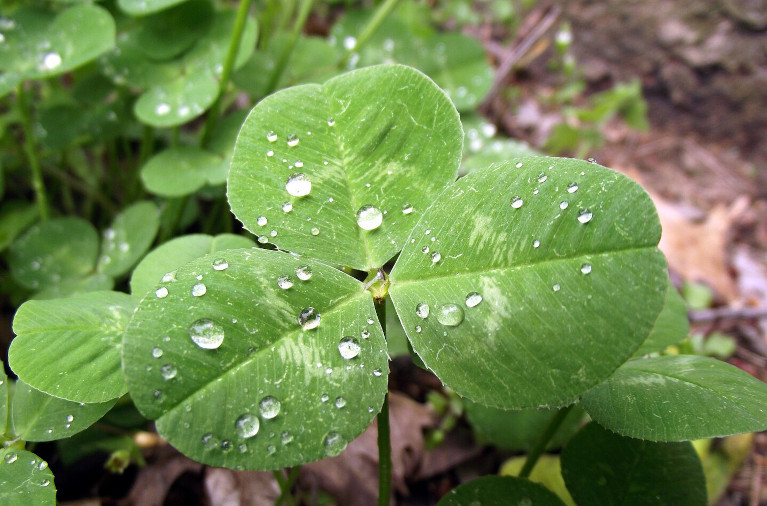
[
  {"x": 543, "y": 442},
  {"x": 147, "y": 145},
  {"x": 303, "y": 14},
  {"x": 286, "y": 485},
  {"x": 226, "y": 72},
  {"x": 378, "y": 17},
  {"x": 384, "y": 438},
  {"x": 29, "y": 148}
]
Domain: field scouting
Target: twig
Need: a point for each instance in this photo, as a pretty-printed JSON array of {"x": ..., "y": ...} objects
[{"x": 727, "y": 313}]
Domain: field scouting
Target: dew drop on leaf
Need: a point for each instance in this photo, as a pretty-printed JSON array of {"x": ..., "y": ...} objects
[
  {"x": 315, "y": 231},
  {"x": 324, "y": 397},
  {"x": 298, "y": 185},
  {"x": 556, "y": 287},
  {"x": 572, "y": 188},
  {"x": 162, "y": 109},
  {"x": 246, "y": 426},
  {"x": 450, "y": 315},
  {"x": 369, "y": 217},
  {"x": 51, "y": 61},
  {"x": 309, "y": 319},
  {"x": 377, "y": 373},
  {"x": 206, "y": 334},
  {"x": 292, "y": 140},
  {"x": 348, "y": 347},
  {"x": 271, "y": 450},
  {"x": 156, "y": 352},
  {"x": 425, "y": 250},
  {"x": 370, "y": 321},
  {"x": 542, "y": 178},
  {"x": 418, "y": 329},
  {"x": 299, "y": 164},
  {"x": 287, "y": 207},
  {"x": 161, "y": 292},
  {"x": 304, "y": 273},
  {"x": 226, "y": 445},
  {"x": 517, "y": 202},
  {"x": 586, "y": 269},
  {"x": 536, "y": 243},
  {"x": 220, "y": 264},
  {"x": 422, "y": 310},
  {"x": 473, "y": 299},
  {"x": 286, "y": 437},
  {"x": 284, "y": 282},
  {"x": 585, "y": 216},
  {"x": 168, "y": 371},
  {"x": 261, "y": 221},
  {"x": 269, "y": 407},
  {"x": 45, "y": 483},
  {"x": 209, "y": 441},
  {"x": 436, "y": 257},
  {"x": 563, "y": 205},
  {"x": 340, "y": 402},
  {"x": 407, "y": 208},
  {"x": 365, "y": 333},
  {"x": 271, "y": 136},
  {"x": 331, "y": 121},
  {"x": 11, "y": 458}
]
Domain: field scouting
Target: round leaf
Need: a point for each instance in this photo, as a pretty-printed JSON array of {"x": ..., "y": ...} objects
[
  {"x": 15, "y": 216},
  {"x": 70, "y": 348},
  {"x": 382, "y": 136},
  {"x": 172, "y": 31},
  {"x": 130, "y": 235},
  {"x": 600, "y": 467},
  {"x": 127, "y": 65},
  {"x": 679, "y": 398},
  {"x": 52, "y": 251},
  {"x": 500, "y": 491},
  {"x": 144, "y": 7},
  {"x": 175, "y": 253},
  {"x": 545, "y": 272},
  {"x": 210, "y": 51},
  {"x": 180, "y": 171},
  {"x": 178, "y": 101},
  {"x": 217, "y": 356},
  {"x": 73, "y": 286},
  {"x": 672, "y": 324},
  {"x": 25, "y": 479},
  {"x": 37, "y": 416}
]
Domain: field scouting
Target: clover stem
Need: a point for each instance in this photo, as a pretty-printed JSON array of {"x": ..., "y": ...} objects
[
  {"x": 286, "y": 485},
  {"x": 543, "y": 442},
  {"x": 303, "y": 14},
  {"x": 147, "y": 145},
  {"x": 29, "y": 149},
  {"x": 369, "y": 29},
  {"x": 226, "y": 71},
  {"x": 384, "y": 438}
]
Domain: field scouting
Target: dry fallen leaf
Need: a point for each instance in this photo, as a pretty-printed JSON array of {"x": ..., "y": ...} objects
[
  {"x": 226, "y": 487},
  {"x": 154, "y": 481}
]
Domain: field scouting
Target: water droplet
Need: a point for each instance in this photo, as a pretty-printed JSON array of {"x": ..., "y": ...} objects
[
  {"x": 162, "y": 109},
  {"x": 542, "y": 177},
  {"x": 43, "y": 465},
  {"x": 422, "y": 310},
  {"x": 168, "y": 371},
  {"x": 591, "y": 160},
  {"x": 369, "y": 217},
  {"x": 209, "y": 441},
  {"x": 261, "y": 221},
  {"x": 348, "y": 347},
  {"x": 270, "y": 153},
  {"x": 516, "y": 202},
  {"x": 45, "y": 483},
  {"x": 418, "y": 329},
  {"x": 556, "y": 287},
  {"x": 161, "y": 292},
  {"x": 340, "y": 402},
  {"x": 169, "y": 277},
  {"x": 331, "y": 121},
  {"x": 269, "y": 407},
  {"x": 284, "y": 282},
  {"x": 10, "y": 458},
  {"x": 51, "y": 61},
  {"x": 262, "y": 239},
  {"x": 220, "y": 264},
  {"x": 572, "y": 188},
  {"x": 518, "y": 165},
  {"x": 287, "y": 207},
  {"x": 473, "y": 299},
  {"x": 435, "y": 257},
  {"x": 563, "y": 205},
  {"x": 157, "y": 394},
  {"x": 206, "y": 334},
  {"x": 271, "y": 136},
  {"x": 199, "y": 290},
  {"x": 292, "y": 140},
  {"x": 299, "y": 164},
  {"x": 585, "y": 216},
  {"x": 365, "y": 333},
  {"x": 242, "y": 448},
  {"x": 370, "y": 321},
  {"x": 450, "y": 315},
  {"x": 286, "y": 437},
  {"x": 377, "y": 373},
  {"x": 425, "y": 250},
  {"x": 536, "y": 243},
  {"x": 309, "y": 319},
  {"x": 298, "y": 185},
  {"x": 226, "y": 445},
  {"x": 304, "y": 273},
  {"x": 247, "y": 425},
  {"x": 156, "y": 352},
  {"x": 315, "y": 231},
  {"x": 271, "y": 450},
  {"x": 324, "y": 397},
  {"x": 586, "y": 269},
  {"x": 70, "y": 418},
  {"x": 407, "y": 208},
  {"x": 350, "y": 43}
]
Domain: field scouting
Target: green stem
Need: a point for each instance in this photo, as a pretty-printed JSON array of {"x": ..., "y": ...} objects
[
  {"x": 226, "y": 72},
  {"x": 384, "y": 438},
  {"x": 303, "y": 13},
  {"x": 29, "y": 149},
  {"x": 380, "y": 14},
  {"x": 147, "y": 145},
  {"x": 286, "y": 485},
  {"x": 543, "y": 442}
]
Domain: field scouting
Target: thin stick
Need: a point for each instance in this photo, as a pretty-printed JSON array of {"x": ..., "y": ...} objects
[
  {"x": 543, "y": 441},
  {"x": 384, "y": 437},
  {"x": 29, "y": 148}
]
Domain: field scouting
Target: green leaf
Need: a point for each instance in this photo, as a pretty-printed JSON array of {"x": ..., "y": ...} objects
[
  {"x": 671, "y": 327},
  {"x": 216, "y": 350},
  {"x": 4, "y": 402},
  {"x": 677, "y": 398},
  {"x": 127, "y": 65},
  {"x": 37, "y": 416},
  {"x": 209, "y": 52},
  {"x": 77, "y": 338},
  {"x": 25, "y": 479},
  {"x": 222, "y": 141},
  {"x": 519, "y": 430},
  {"x": 15, "y": 216},
  {"x": 178, "y": 101},
  {"x": 172, "y": 31},
  {"x": 381, "y": 136},
  {"x": 73, "y": 286},
  {"x": 54, "y": 251},
  {"x": 180, "y": 171},
  {"x": 39, "y": 44},
  {"x": 500, "y": 491},
  {"x": 175, "y": 253},
  {"x": 570, "y": 280},
  {"x": 129, "y": 237},
  {"x": 144, "y": 7},
  {"x": 547, "y": 472},
  {"x": 600, "y": 467}
]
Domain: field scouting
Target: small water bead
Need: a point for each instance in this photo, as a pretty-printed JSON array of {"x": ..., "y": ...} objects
[
  {"x": 586, "y": 269},
  {"x": 591, "y": 160},
  {"x": 270, "y": 153},
  {"x": 369, "y": 217},
  {"x": 340, "y": 402},
  {"x": 298, "y": 184},
  {"x": 572, "y": 188},
  {"x": 324, "y": 397},
  {"x": 284, "y": 282},
  {"x": 157, "y": 394},
  {"x": 273, "y": 233},
  {"x": 169, "y": 277},
  {"x": 542, "y": 178},
  {"x": 161, "y": 292},
  {"x": 262, "y": 239},
  {"x": 436, "y": 257},
  {"x": 556, "y": 287},
  {"x": 425, "y": 250},
  {"x": 220, "y": 264},
  {"x": 292, "y": 140},
  {"x": 349, "y": 347},
  {"x": 473, "y": 299},
  {"x": 162, "y": 109},
  {"x": 199, "y": 290},
  {"x": 407, "y": 208},
  {"x": 585, "y": 216},
  {"x": 168, "y": 371},
  {"x": 365, "y": 333},
  {"x": 206, "y": 334},
  {"x": 377, "y": 373},
  {"x": 450, "y": 315},
  {"x": 287, "y": 207},
  {"x": 422, "y": 310},
  {"x": 536, "y": 243},
  {"x": 309, "y": 319},
  {"x": 299, "y": 164},
  {"x": 247, "y": 425},
  {"x": 286, "y": 438},
  {"x": 11, "y": 458},
  {"x": 517, "y": 202},
  {"x": 271, "y": 136},
  {"x": 304, "y": 273},
  {"x": 226, "y": 445},
  {"x": 370, "y": 321},
  {"x": 315, "y": 231},
  {"x": 518, "y": 165},
  {"x": 331, "y": 121},
  {"x": 418, "y": 329},
  {"x": 156, "y": 352},
  {"x": 42, "y": 466},
  {"x": 269, "y": 407},
  {"x": 261, "y": 221},
  {"x": 271, "y": 450}
]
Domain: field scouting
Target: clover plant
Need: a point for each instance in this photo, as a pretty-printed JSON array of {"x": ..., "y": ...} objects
[{"x": 529, "y": 283}]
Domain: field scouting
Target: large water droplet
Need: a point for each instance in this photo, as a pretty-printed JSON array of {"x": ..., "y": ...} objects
[
  {"x": 422, "y": 310},
  {"x": 348, "y": 347},
  {"x": 309, "y": 319},
  {"x": 168, "y": 371},
  {"x": 284, "y": 282},
  {"x": 199, "y": 290},
  {"x": 572, "y": 188},
  {"x": 220, "y": 264},
  {"x": 586, "y": 269},
  {"x": 292, "y": 140},
  {"x": 369, "y": 217},
  {"x": 304, "y": 273},
  {"x": 585, "y": 216},
  {"x": 517, "y": 202},
  {"x": 161, "y": 292},
  {"x": 156, "y": 352},
  {"x": 563, "y": 205},
  {"x": 269, "y": 407},
  {"x": 247, "y": 425},
  {"x": 298, "y": 184},
  {"x": 407, "y": 208},
  {"x": 450, "y": 315},
  {"x": 206, "y": 334},
  {"x": 340, "y": 402},
  {"x": 473, "y": 299}
]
